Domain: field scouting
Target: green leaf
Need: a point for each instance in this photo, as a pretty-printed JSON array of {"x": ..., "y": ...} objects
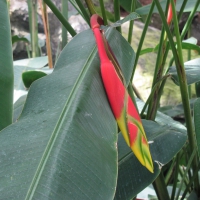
[
  {"x": 188, "y": 8},
  {"x": 63, "y": 146},
  {"x": 41, "y": 42},
  {"x": 189, "y": 44},
  {"x": 148, "y": 50},
  {"x": 6, "y": 68},
  {"x": 109, "y": 15},
  {"x": 175, "y": 110},
  {"x": 197, "y": 122},
  {"x": 17, "y": 38},
  {"x": 36, "y": 63},
  {"x": 167, "y": 136},
  {"x": 192, "y": 70},
  {"x": 126, "y": 4},
  {"x": 24, "y": 65},
  {"x": 191, "y": 40},
  {"x": 131, "y": 16},
  {"x": 30, "y": 76},
  {"x": 18, "y": 106}
]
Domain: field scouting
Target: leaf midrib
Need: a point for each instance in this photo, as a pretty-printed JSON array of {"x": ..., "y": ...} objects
[{"x": 58, "y": 126}]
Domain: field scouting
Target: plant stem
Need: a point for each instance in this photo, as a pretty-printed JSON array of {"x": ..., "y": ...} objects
[
  {"x": 161, "y": 191},
  {"x": 158, "y": 72},
  {"x": 152, "y": 93},
  {"x": 142, "y": 39},
  {"x": 175, "y": 176},
  {"x": 195, "y": 175},
  {"x": 170, "y": 172},
  {"x": 189, "y": 20},
  {"x": 32, "y": 6},
  {"x": 189, "y": 58},
  {"x": 183, "y": 86},
  {"x": 183, "y": 83},
  {"x": 84, "y": 12},
  {"x": 90, "y": 6},
  {"x": 136, "y": 92},
  {"x": 130, "y": 31},
  {"x": 117, "y": 13},
  {"x": 187, "y": 169},
  {"x": 46, "y": 30},
  {"x": 64, "y": 11},
  {"x": 167, "y": 48},
  {"x": 103, "y": 12},
  {"x": 130, "y": 91},
  {"x": 61, "y": 18}
]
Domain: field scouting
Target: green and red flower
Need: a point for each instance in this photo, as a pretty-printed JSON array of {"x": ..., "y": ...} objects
[{"x": 121, "y": 104}]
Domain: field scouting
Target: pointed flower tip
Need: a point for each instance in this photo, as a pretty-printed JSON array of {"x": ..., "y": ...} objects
[{"x": 150, "y": 168}]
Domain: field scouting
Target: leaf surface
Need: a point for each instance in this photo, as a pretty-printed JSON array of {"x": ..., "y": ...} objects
[
  {"x": 6, "y": 68},
  {"x": 192, "y": 70},
  {"x": 64, "y": 143}
]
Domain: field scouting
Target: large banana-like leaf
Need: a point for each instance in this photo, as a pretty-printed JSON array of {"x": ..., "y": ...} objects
[
  {"x": 6, "y": 68},
  {"x": 64, "y": 145}
]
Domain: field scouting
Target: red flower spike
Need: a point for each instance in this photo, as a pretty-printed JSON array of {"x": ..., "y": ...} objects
[
  {"x": 170, "y": 13},
  {"x": 121, "y": 104}
]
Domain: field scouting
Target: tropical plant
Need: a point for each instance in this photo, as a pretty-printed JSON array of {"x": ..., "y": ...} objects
[{"x": 63, "y": 142}]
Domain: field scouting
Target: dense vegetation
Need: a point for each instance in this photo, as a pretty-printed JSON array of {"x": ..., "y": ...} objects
[{"x": 61, "y": 140}]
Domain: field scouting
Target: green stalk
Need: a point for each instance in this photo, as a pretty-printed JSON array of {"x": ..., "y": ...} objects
[
  {"x": 187, "y": 24},
  {"x": 130, "y": 91},
  {"x": 90, "y": 6},
  {"x": 161, "y": 191},
  {"x": 136, "y": 92},
  {"x": 183, "y": 176},
  {"x": 195, "y": 175},
  {"x": 189, "y": 58},
  {"x": 175, "y": 177},
  {"x": 183, "y": 83},
  {"x": 117, "y": 13},
  {"x": 130, "y": 31},
  {"x": 168, "y": 45},
  {"x": 152, "y": 93},
  {"x": 182, "y": 9},
  {"x": 189, "y": 20},
  {"x": 28, "y": 50},
  {"x": 84, "y": 12},
  {"x": 61, "y": 18},
  {"x": 170, "y": 172},
  {"x": 47, "y": 32},
  {"x": 103, "y": 12},
  {"x": 187, "y": 169},
  {"x": 32, "y": 7},
  {"x": 30, "y": 18},
  {"x": 152, "y": 109},
  {"x": 35, "y": 48},
  {"x": 64, "y": 10},
  {"x": 142, "y": 39},
  {"x": 158, "y": 72}
]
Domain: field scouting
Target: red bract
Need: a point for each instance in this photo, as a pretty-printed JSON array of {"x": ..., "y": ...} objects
[
  {"x": 121, "y": 104},
  {"x": 170, "y": 13}
]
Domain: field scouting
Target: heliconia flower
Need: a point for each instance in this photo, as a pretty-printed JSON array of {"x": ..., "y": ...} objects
[
  {"x": 122, "y": 106},
  {"x": 170, "y": 13}
]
